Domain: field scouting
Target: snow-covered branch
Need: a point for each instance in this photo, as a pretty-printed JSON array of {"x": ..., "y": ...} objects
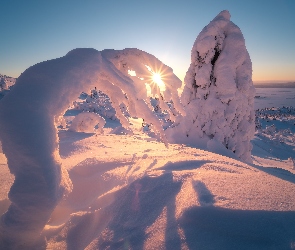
[{"x": 28, "y": 130}]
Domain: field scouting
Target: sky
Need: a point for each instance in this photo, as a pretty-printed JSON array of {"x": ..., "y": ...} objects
[{"x": 38, "y": 30}]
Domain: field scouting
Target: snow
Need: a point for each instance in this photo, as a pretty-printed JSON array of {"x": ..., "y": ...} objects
[
  {"x": 274, "y": 97},
  {"x": 86, "y": 122},
  {"x": 274, "y": 142},
  {"x": 133, "y": 191},
  {"x": 6, "y": 82},
  {"x": 3, "y": 85},
  {"x": 29, "y": 115},
  {"x": 126, "y": 189},
  {"x": 218, "y": 93}
]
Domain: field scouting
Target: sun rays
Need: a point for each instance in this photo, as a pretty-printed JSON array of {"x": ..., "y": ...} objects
[{"x": 156, "y": 77}]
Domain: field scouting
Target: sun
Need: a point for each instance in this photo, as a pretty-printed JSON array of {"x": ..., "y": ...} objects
[
  {"x": 156, "y": 77},
  {"x": 158, "y": 80}
]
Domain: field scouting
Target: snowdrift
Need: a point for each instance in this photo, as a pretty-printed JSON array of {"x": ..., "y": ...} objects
[{"x": 133, "y": 192}]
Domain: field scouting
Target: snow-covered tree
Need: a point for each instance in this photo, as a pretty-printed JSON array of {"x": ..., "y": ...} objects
[
  {"x": 219, "y": 93},
  {"x": 28, "y": 117},
  {"x": 86, "y": 122},
  {"x": 3, "y": 84}
]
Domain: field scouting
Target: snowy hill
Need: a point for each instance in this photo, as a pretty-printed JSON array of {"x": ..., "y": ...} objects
[{"x": 151, "y": 197}]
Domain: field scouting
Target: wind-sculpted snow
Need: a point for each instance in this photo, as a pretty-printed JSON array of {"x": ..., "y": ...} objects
[
  {"x": 28, "y": 131},
  {"x": 219, "y": 93}
]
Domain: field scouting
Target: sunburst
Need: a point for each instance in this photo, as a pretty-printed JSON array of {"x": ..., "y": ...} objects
[{"x": 157, "y": 77}]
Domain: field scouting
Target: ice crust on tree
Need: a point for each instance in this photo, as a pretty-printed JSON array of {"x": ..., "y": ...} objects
[
  {"x": 219, "y": 92},
  {"x": 28, "y": 117}
]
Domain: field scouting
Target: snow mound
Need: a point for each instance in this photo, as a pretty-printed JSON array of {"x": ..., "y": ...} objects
[
  {"x": 86, "y": 122},
  {"x": 219, "y": 93}
]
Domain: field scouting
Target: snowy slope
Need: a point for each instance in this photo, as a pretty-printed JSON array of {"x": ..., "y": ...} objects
[{"x": 132, "y": 192}]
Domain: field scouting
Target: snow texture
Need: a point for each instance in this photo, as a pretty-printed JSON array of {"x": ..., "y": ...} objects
[
  {"x": 6, "y": 82},
  {"x": 3, "y": 84},
  {"x": 219, "y": 93},
  {"x": 86, "y": 122},
  {"x": 28, "y": 117},
  {"x": 96, "y": 102},
  {"x": 132, "y": 191}
]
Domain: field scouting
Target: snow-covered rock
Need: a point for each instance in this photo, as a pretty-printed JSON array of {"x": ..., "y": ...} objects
[{"x": 219, "y": 93}]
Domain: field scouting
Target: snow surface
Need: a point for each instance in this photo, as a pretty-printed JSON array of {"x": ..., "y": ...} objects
[
  {"x": 274, "y": 143},
  {"x": 133, "y": 192},
  {"x": 274, "y": 97}
]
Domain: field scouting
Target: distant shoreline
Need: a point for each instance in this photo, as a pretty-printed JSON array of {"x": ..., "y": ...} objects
[{"x": 275, "y": 85}]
